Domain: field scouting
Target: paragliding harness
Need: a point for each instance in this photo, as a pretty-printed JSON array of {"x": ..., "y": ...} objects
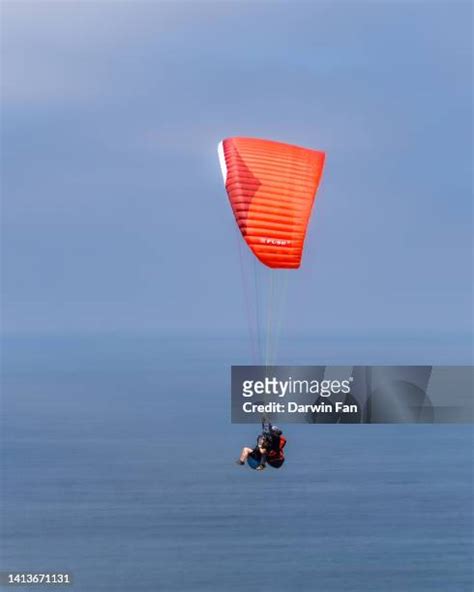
[
  {"x": 277, "y": 442},
  {"x": 273, "y": 441}
]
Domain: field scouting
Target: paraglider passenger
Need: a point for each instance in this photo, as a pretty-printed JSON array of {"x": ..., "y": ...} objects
[{"x": 269, "y": 450}]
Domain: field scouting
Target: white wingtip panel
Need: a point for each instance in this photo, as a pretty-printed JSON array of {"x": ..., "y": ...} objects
[{"x": 220, "y": 152}]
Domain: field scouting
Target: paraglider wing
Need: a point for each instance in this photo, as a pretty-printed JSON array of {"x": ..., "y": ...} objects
[{"x": 271, "y": 188}]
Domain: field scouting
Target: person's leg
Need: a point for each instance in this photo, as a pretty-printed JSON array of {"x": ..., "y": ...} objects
[{"x": 245, "y": 454}]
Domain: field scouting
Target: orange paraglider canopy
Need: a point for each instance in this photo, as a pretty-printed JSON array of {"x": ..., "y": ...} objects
[{"x": 271, "y": 188}]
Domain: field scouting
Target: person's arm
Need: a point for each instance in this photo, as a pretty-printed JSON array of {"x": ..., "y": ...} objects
[
  {"x": 266, "y": 426},
  {"x": 264, "y": 453}
]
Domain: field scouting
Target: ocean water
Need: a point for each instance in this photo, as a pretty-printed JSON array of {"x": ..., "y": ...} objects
[{"x": 118, "y": 466}]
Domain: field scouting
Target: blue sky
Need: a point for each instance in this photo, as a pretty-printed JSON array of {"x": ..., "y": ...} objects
[{"x": 114, "y": 213}]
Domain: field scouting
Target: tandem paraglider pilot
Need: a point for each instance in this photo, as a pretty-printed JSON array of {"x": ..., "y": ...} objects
[{"x": 269, "y": 450}]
